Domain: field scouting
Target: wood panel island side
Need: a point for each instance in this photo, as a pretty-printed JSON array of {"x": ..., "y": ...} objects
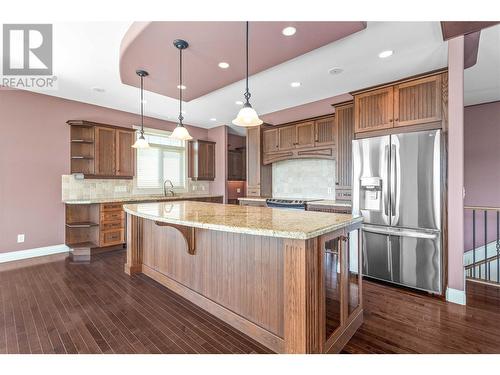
[{"x": 289, "y": 279}]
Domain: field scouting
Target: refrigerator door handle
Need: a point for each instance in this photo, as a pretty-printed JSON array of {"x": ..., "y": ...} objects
[
  {"x": 387, "y": 162},
  {"x": 394, "y": 178},
  {"x": 401, "y": 232}
]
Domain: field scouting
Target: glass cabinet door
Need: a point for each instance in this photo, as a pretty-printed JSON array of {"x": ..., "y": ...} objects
[
  {"x": 353, "y": 273},
  {"x": 332, "y": 280}
]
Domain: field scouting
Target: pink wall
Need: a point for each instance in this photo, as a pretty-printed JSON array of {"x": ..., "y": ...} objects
[
  {"x": 455, "y": 163},
  {"x": 219, "y": 135},
  {"x": 34, "y": 153},
  {"x": 482, "y": 168}
]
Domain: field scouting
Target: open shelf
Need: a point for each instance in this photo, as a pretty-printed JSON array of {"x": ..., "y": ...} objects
[{"x": 81, "y": 224}]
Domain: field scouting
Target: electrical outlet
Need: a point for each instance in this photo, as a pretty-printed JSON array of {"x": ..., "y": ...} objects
[
  {"x": 238, "y": 190},
  {"x": 20, "y": 238}
]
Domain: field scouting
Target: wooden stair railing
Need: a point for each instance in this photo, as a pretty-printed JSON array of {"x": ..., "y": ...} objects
[{"x": 481, "y": 269}]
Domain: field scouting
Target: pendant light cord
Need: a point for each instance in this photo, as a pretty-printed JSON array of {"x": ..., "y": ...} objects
[
  {"x": 180, "y": 88},
  {"x": 247, "y": 92},
  {"x": 142, "y": 105}
]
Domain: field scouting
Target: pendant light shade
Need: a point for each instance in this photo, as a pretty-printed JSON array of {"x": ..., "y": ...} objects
[
  {"x": 180, "y": 132},
  {"x": 247, "y": 116},
  {"x": 141, "y": 141}
]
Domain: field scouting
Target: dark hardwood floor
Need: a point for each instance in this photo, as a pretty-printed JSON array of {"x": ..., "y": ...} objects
[
  {"x": 60, "y": 307},
  {"x": 401, "y": 321}
]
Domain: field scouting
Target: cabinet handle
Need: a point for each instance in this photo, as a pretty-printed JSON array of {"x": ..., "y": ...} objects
[{"x": 396, "y": 119}]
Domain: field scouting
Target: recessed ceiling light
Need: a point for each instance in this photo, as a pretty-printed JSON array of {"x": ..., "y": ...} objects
[
  {"x": 223, "y": 65},
  {"x": 385, "y": 54},
  {"x": 289, "y": 31},
  {"x": 213, "y": 119},
  {"x": 182, "y": 87},
  {"x": 98, "y": 89},
  {"x": 335, "y": 70},
  {"x": 295, "y": 84},
  {"x": 238, "y": 102}
]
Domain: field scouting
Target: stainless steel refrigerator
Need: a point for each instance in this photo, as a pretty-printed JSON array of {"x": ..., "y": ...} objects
[{"x": 397, "y": 190}]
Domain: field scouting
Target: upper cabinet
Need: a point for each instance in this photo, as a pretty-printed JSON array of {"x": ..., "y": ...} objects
[
  {"x": 411, "y": 102},
  {"x": 314, "y": 138},
  {"x": 374, "y": 110},
  {"x": 344, "y": 120},
  {"x": 304, "y": 134},
  {"x": 101, "y": 151},
  {"x": 236, "y": 165},
  {"x": 418, "y": 101},
  {"x": 105, "y": 145},
  {"x": 325, "y": 131},
  {"x": 201, "y": 160}
]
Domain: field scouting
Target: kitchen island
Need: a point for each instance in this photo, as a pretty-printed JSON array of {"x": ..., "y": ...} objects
[{"x": 266, "y": 272}]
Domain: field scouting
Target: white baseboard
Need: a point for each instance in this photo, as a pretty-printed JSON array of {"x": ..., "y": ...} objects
[
  {"x": 455, "y": 296},
  {"x": 33, "y": 253}
]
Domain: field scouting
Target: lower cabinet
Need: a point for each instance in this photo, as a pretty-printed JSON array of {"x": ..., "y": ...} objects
[{"x": 111, "y": 224}]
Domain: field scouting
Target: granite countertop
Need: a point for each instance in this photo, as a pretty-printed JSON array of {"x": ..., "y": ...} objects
[
  {"x": 139, "y": 198},
  {"x": 262, "y": 221}
]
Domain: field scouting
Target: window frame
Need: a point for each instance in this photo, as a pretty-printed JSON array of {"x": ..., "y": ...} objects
[{"x": 159, "y": 190}]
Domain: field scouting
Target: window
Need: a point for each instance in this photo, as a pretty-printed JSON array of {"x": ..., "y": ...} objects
[{"x": 164, "y": 160}]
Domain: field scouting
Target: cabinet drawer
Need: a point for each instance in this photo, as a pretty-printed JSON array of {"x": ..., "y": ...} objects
[
  {"x": 112, "y": 216},
  {"x": 112, "y": 237},
  {"x": 113, "y": 225},
  {"x": 111, "y": 206}
]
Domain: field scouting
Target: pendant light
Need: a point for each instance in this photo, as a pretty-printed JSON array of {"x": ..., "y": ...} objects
[
  {"x": 141, "y": 141},
  {"x": 247, "y": 116},
  {"x": 180, "y": 132}
]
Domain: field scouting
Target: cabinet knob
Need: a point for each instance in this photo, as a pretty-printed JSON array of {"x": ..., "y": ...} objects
[{"x": 390, "y": 120}]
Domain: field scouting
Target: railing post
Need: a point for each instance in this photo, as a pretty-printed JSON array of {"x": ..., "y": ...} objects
[
  {"x": 474, "y": 243},
  {"x": 486, "y": 263},
  {"x": 498, "y": 246}
]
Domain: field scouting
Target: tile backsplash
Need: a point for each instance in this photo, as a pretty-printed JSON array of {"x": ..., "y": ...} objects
[
  {"x": 304, "y": 178},
  {"x": 73, "y": 188}
]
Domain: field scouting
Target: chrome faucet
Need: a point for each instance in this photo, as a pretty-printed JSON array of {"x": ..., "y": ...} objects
[{"x": 171, "y": 191}]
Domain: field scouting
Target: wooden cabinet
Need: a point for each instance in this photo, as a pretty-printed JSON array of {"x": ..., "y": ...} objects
[
  {"x": 286, "y": 138},
  {"x": 417, "y": 101},
  {"x": 125, "y": 154},
  {"x": 314, "y": 138},
  {"x": 305, "y": 135},
  {"x": 111, "y": 224},
  {"x": 270, "y": 142},
  {"x": 259, "y": 176},
  {"x": 201, "y": 163},
  {"x": 101, "y": 151},
  {"x": 325, "y": 131},
  {"x": 344, "y": 119},
  {"x": 105, "y": 151},
  {"x": 374, "y": 110},
  {"x": 236, "y": 165}
]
